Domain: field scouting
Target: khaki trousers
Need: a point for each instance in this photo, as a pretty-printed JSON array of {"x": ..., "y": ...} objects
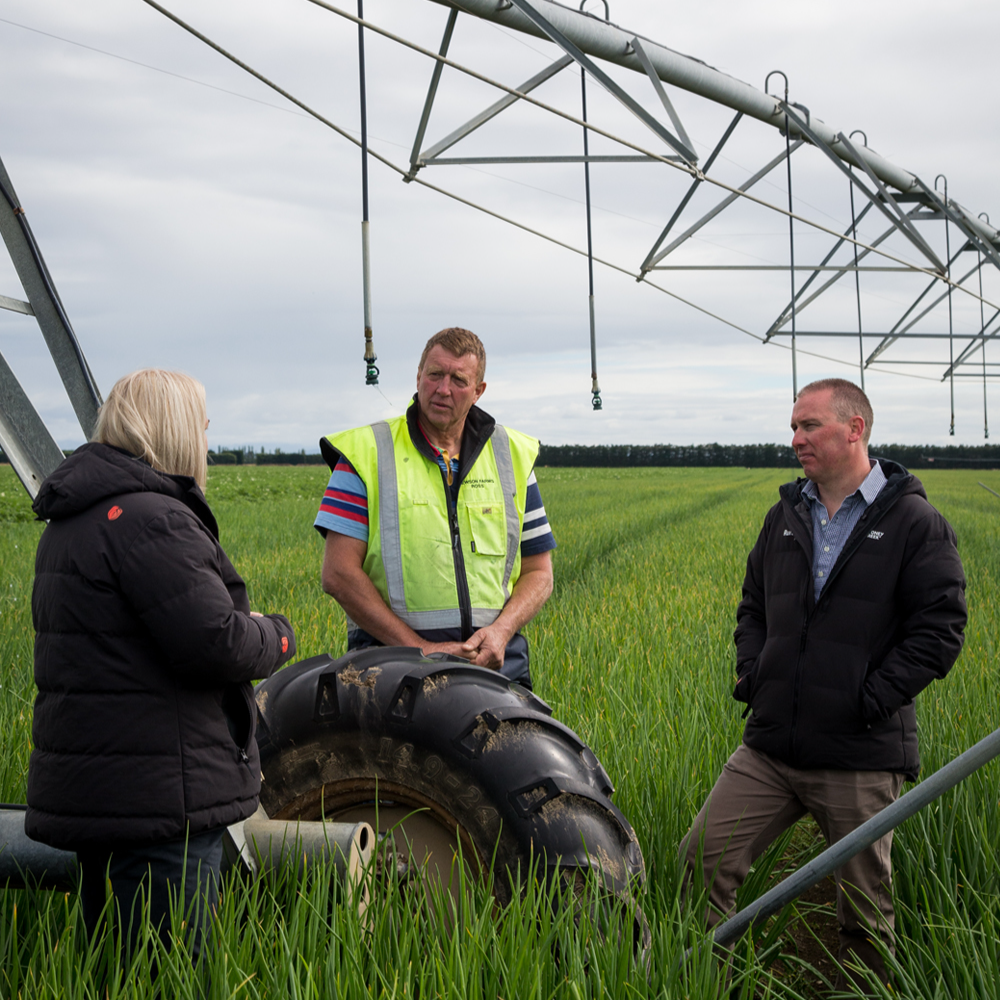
[{"x": 756, "y": 799}]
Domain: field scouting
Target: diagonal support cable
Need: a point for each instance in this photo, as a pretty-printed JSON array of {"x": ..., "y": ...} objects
[{"x": 604, "y": 80}]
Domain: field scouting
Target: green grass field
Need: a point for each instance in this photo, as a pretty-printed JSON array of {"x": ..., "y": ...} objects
[{"x": 634, "y": 651}]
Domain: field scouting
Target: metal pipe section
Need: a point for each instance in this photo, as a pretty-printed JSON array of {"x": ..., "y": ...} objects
[
  {"x": 608, "y": 41},
  {"x": 864, "y": 836},
  {"x": 26, "y": 863},
  {"x": 260, "y": 845},
  {"x": 278, "y": 842}
]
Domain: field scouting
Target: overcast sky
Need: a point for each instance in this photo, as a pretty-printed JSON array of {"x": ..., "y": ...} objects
[{"x": 192, "y": 218}]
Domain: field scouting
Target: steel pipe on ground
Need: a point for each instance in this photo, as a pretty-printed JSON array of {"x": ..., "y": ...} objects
[
  {"x": 25, "y": 862},
  {"x": 864, "y": 836},
  {"x": 258, "y": 844}
]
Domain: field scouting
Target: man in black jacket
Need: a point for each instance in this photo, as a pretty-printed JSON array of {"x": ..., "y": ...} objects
[{"x": 853, "y": 602}]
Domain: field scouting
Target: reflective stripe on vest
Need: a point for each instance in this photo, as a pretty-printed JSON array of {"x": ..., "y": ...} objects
[
  {"x": 389, "y": 540},
  {"x": 505, "y": 470}
]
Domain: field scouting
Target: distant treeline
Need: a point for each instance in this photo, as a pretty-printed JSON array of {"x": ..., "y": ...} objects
[
  {"x": 248, "y": 456},
  {"x": 755, "y": 456}
]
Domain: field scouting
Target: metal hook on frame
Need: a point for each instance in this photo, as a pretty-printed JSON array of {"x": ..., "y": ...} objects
[
  {"x": 767, "y": 79},
  {"x": 861, "y": 132},
  {"x": 607, "y": 11}
]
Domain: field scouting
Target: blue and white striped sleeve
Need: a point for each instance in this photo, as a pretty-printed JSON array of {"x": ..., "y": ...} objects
[
  {"x": 344, "y": 507},
  {"x": 536, "y": 535}
]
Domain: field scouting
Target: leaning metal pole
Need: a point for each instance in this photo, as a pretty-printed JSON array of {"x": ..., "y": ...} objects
[
  {"x": 613, "y": 44},
  {"x": 864, "y": 836}
]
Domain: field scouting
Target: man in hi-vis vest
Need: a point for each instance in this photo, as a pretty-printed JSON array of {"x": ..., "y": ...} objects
[{"x": 436, "y": 536}]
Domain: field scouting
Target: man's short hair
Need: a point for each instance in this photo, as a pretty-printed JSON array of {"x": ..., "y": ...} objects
[
  {"x": 847, "y": 400},
  {"x": 459, "y": 342}
]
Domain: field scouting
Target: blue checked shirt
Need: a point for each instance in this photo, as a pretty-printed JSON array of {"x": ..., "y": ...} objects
[{"x": 831, "y": 533}]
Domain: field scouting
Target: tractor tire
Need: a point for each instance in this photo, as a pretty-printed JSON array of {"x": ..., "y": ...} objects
[{"x": 456, "y": 757}]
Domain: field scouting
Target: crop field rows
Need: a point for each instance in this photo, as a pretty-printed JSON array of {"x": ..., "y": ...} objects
[{"x": 634, "y": 652}]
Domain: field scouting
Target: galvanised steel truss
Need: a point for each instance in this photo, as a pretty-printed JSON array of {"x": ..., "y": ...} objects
[
  {"x": 949, "y": 305},
  {"x": 903, "y": 198}
]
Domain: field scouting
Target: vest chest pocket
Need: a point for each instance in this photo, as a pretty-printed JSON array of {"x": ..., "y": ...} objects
[
  {"x": 487, "y": 523},
  {"x": 423, "y": 519}
]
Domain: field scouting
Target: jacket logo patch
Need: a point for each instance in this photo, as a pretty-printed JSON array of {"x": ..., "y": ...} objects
[
  {"x": 114, "y": 513},
  {"x": 284, "y": 643},
  {"x": 787, "y": 533},
  {"x": 487, "y": 510},
  {"x": 876, "y": 534}
]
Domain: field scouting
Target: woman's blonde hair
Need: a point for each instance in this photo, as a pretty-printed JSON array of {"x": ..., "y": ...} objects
[{"x": 160, "y": 417}]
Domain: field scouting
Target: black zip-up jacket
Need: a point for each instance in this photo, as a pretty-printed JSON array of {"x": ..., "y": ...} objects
[
  {"x": 144, "y": 720},
  {"x": 831, "y": 684}
]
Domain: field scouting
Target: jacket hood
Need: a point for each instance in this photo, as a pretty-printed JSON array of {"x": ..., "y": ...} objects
[{"x": 95, "y": 472}]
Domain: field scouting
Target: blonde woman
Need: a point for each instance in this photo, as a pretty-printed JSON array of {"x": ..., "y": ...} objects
[{"x": 145, "y": 647}]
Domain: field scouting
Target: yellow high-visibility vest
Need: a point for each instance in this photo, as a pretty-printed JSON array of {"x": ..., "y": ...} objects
[{"x": 415, "y": 559}]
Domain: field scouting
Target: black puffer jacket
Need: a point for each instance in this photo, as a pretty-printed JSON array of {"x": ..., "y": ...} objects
[
  {"x": 831, "y": 684},
  {"x": 144, "y": 721}
]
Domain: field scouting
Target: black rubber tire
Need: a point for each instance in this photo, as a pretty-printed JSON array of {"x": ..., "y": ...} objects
[{"x": 481, "y": 755}]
